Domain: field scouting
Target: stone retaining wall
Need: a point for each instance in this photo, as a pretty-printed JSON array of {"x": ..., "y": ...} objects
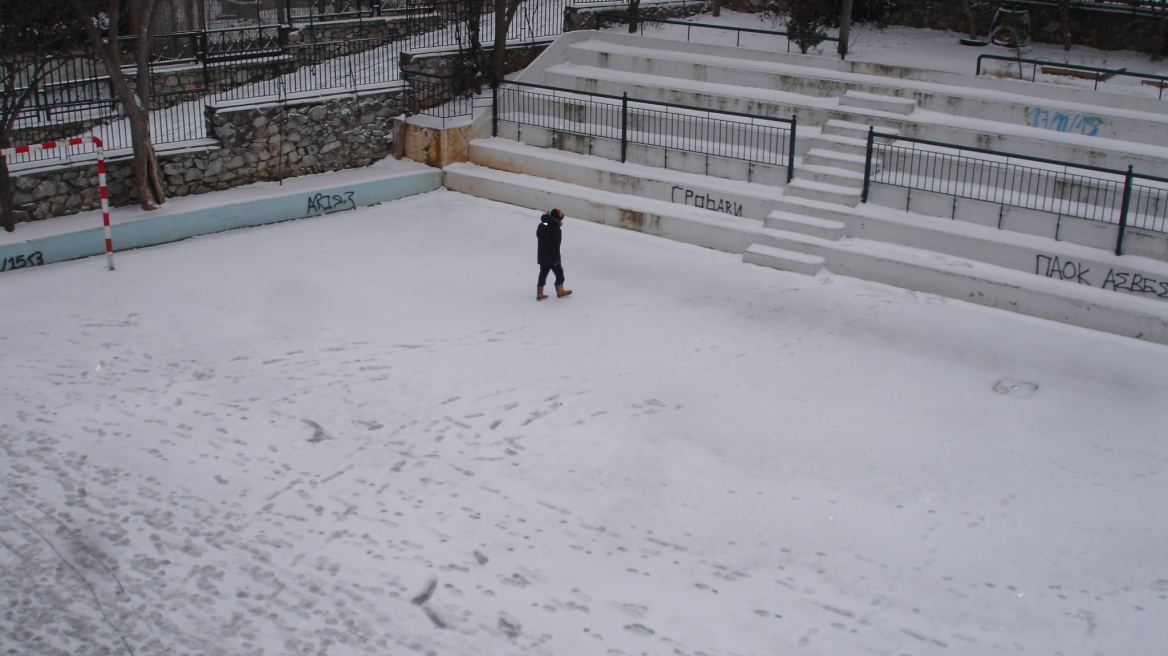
[{"x": 264, "y": 143}]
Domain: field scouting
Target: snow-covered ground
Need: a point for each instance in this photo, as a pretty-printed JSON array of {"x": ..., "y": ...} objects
[{"x": 361, "y": 434}]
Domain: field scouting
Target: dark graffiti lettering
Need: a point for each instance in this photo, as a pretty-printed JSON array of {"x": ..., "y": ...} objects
[
  {"x": 1064, "y": 270},
  {"x": 1136, "y": 283},
  {"x": 328, "y": 203},
  {"x": 22, "y": 261},
  {"x": 705, "y": 201},
  {"x": 1127, "y": 281}
]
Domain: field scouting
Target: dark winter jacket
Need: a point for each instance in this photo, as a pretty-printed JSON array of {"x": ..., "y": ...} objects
[{"x": 549, "y": 236}]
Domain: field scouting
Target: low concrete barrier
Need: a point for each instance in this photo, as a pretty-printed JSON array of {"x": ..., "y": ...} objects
[{"x": 79, "y": 236}]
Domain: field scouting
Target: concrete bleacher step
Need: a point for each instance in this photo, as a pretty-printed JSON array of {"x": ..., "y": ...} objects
[
  {"x": 836, "y": 159},
  {"x": 807, "y": 225},
  {"x": 734, "y": 197},
  {"x": 783, "y": 259},
  {"x": 962, "y": 110},
  {"x": 857, "y": 130},
  {"x": 833, "y": 175},
  {"x": 838, "y": 143},
  {"x": 870, "y": 259},
  {"x": 964, "y": 95},
  {"x": 824, "y": 191},
  {"x": 878, "y": 102}
]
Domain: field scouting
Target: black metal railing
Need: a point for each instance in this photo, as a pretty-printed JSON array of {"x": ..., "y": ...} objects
[
  {"x": 178, "y": 117},
  {"x": 332, "y": 10},
  {"x": 739, "y": 31},
  {"x": 1009, "y": 179},
  {"x": 441, "y": 96},
  {"x": 1099, "y": 74},
  {"x": 633, "y": 121},
  {"x": 322, "y": 68}
]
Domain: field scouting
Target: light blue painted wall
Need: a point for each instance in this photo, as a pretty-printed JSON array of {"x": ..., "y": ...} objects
[{"x": 167, "y": 228}]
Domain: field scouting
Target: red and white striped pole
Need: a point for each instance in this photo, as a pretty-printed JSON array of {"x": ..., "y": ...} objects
[{"x": 77, "y": 141}]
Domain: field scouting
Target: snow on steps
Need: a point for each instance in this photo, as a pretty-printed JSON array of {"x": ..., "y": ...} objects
[
  {"x": 990, "y": 131},
  {"x": 824, "y": 191},
  {"x": 781, "y": 258},
  {"x": 894, "y": 264},
  {"x": 882, "y": 103},
  {"x": 737, "y": 197}
]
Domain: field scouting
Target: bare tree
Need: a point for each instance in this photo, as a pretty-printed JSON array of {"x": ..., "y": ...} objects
[
  {"x": 717, "y": 8},
  {"x": 1065, "y": 23},
  {"x": 1160, "y": 10},
  {"x": 34, "y": 39},
  {"x": 504, "y": 15},
  {"x": 970, "y": 18},
  {"x": 845, "y": 27},
  {"x": 103, "y": 22},
  {"x": 634, "y": 9}
]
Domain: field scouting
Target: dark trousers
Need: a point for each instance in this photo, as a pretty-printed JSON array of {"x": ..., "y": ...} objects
[{"x": 543, "y": 271}]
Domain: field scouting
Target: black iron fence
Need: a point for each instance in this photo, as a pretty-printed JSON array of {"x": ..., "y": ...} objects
[
  {"x": 319, "y": 69},
  {"x": 444, "y": 97},
  {"x": 1095, "y": 73},
  {"x": 178, "y": 117},
  {"x": 632, "y": 121},
  {"x": 1123, "y": 198},
  {"x": 641, "y": 21}
]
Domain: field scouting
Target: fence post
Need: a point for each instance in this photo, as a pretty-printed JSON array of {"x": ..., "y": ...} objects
[
  {"x": 868, "y": 163},
  {"x": 495, "y": 109},
  {"x": 1123, "y": 209},
  {"x": 791, "y": 150},
  {"x": 624, "y": 125},
  {"x": 201, "y": 48}
]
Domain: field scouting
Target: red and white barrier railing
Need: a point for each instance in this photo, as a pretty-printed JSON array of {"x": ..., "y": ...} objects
[{"x": 109, "y": 244}]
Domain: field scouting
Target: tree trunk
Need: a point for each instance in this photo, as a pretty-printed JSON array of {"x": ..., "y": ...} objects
[
  {"x": 504, "y": 16},
  {"x": 971, "y": 19},
  {"x": 717, "y": 8},
  {"x": 1161, "y": 30},
  {"x": 634, "y": 9},
  {"x": 845, "y": 28},
  {"x": 1065, "y": 23},
  {"x": 147, "y": 179},
  {"x": 6, "y": 209}
]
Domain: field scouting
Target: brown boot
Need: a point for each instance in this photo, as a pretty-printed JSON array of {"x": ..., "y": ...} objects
[
  {"x": 561, "y": 292},
  {"x": 539, "y": 295}
]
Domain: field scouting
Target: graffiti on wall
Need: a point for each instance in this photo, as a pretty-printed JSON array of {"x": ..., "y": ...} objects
[
  {"x": 36, "y": 258},
  {"x": 1053, "y": 119},
  {"x": 328, "y": 203},
  {"x": 705, "y": 201},
  {"x": 1128, "y": 281}
]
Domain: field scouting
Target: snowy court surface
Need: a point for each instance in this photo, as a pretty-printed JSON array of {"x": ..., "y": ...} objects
[{"x": 361, "y": 434}]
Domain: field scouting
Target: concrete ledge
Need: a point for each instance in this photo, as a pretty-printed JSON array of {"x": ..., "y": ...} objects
[
  {"x": 734, "y": 197},
  {"x": 81, "y": 235},
  {"x": 780, "y": 258}
]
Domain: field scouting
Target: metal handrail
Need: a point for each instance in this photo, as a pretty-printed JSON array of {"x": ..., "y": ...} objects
[
  {"x": 649, "y": 102},
  {"x": 1128, "y": 175},
  {"x": 1078, "y": 67},
  {"x": 739, "y": 30},
  {"x": 624, "y": 99}
]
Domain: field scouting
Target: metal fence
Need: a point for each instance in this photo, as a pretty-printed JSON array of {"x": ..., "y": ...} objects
[
  {"x": 1097, "y": 74},
  {"x": 632, "y": 121},
  {"x": 317, "y": 69},
  {"x": 1009, "y": 179},
  {"x": 641, "y": 21}
]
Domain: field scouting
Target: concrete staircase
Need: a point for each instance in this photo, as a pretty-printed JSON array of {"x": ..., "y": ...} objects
[{"x": 816, "y": 221}]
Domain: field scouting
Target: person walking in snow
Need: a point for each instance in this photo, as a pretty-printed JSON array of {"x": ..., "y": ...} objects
[{"x": 549, "y": 235}]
